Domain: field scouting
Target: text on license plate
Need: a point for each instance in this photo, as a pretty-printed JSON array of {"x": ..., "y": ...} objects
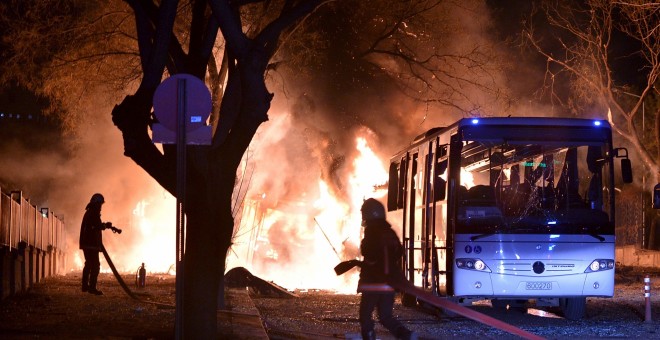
[{"x": 538, "y": 286}]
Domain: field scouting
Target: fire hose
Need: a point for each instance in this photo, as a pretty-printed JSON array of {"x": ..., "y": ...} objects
[
  {"x": 408, "y": 288},
  {"x": 124, "y": 285}
]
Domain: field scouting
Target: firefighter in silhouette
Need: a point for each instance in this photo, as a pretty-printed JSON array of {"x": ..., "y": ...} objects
[
  {"x": 382, "y": 252},
  {"x": 91, "y": 243}
]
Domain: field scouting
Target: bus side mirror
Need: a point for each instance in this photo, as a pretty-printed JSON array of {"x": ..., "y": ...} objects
[
  {"x": 626, "y": 170},
  {"x": 656, "y": 197}
]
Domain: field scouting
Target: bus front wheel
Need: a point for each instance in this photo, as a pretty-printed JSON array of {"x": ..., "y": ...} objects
[
  {"x": 573, "y": 308},
  {"x": 408, "y": 300}
]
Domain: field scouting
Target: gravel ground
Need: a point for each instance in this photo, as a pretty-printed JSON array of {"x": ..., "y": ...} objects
[
  {"x": 321, "y": 315},
  {"x": 56, "y": 309}
]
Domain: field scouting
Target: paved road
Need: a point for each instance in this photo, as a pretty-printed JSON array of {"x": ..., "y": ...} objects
[
  {"x": 320, "y": 315},
  {"x": 57, "y": 309}
]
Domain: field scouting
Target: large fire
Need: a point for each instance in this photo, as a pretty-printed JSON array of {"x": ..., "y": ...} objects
[
  {"x": 294, "y": 244},
  {"x": 319, "y": 232}
]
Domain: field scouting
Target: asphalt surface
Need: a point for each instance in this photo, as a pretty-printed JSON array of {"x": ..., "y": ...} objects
[
  {"x": 322, "y": 315},
  {"x": 57, "y": 309}
]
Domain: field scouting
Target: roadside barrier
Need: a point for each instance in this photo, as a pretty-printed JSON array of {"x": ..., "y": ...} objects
[{"x": 32, "y": 244}]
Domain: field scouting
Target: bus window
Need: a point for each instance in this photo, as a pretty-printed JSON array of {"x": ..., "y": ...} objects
[
  {"x": 440, "y": 184},
  {"x": 393, "y": 187},
  {"x": 440, "y": 173},
  {"x": 568, "y": 183},
  {"x": 416, "y": 186}
]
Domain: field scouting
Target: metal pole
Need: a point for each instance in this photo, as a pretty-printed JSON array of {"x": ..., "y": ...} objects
[
  {"x": 644, "y": 245},
  {"x": 647, "y": 298},
  {"x": 326, "y": 237},
  {"x": 180, "y": 204}
]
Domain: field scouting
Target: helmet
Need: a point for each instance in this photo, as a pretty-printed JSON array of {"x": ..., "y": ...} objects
[
  {"x": 372, "y": 210},
  {"x": 97, "y": 198}
]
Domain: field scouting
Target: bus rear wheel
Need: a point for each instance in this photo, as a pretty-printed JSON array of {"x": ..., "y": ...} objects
[{"x": 573, "y": 308}]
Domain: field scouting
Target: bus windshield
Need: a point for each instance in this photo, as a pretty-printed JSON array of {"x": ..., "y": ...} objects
[{"x": 533, "y": 188}]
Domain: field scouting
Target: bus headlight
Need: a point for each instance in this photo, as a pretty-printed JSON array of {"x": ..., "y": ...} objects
[
  {"x": 479, "y": 265},
  {"x": 600, "y": 265},
  {"x": 472, "y": 264}
]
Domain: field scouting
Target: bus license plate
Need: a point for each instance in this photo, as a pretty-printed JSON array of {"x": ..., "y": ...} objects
[{"x": 538, "y": 286}]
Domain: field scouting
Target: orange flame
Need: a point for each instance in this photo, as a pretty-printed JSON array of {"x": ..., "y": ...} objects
[{"x": 318, "y": 237}]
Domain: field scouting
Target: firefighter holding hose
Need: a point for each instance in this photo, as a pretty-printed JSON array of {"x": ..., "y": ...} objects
[
  {"x": 91, "y": 243},
  {"x": 382, "y": 253}
]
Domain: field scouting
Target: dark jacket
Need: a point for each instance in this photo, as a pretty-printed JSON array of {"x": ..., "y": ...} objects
[
  {"x": 91, "y": 228},
  {"x": 382, "y": 254}
]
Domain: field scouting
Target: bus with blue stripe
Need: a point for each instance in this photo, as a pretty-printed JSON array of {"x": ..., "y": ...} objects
[{"x": 515, "y": 210}]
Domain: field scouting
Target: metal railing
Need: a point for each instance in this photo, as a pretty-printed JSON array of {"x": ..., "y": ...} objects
[{"x": 21, "y": 221}]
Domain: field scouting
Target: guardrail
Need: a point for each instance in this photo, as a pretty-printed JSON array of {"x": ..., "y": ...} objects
[{"x": 31, "y": 244}]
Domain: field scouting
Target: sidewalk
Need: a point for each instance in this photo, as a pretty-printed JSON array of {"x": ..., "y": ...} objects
[{"x": 242, "y": 320}]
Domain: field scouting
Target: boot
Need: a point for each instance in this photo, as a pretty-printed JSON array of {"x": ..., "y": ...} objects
[
  {"x": 370, "y": 335},
  {"x": 85, "y": 279},
  {"x": 93, "y": 278},
  {"x": 95, "y": 291}
]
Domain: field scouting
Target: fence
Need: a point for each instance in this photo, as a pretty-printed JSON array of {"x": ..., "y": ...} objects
[{"x": 31, "y": 244}]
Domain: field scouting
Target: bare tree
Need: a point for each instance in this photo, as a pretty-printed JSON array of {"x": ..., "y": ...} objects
[
  {"x": 589, "y": 41},
  {"x": 211, "y": 169},
  {"x": 437, "y": 56}
]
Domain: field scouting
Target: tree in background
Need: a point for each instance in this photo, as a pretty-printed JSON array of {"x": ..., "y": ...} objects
[
  {"x": 604, "y": 56},
  {"x": 433, "y": 51}
]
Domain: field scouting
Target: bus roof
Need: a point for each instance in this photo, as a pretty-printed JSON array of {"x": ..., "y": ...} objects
[
  {"x": 539, "y": 121},
  {"x": 510, "y": 121}
]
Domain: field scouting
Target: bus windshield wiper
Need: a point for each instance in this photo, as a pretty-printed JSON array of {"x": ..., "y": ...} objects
[
  {"x": 476, "y": 237},
  {"x": 498, "y": 230},
  {"x": 598, "y": 237}
]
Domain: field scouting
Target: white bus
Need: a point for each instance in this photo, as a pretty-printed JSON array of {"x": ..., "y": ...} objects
[{"x": 512, "y": 210}]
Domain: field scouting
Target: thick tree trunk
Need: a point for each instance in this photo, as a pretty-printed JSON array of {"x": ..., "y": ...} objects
[
  {"x": 211, "y": 171},
  {"x": 200, "y": 277},
  {"x": 208, "y": 237}
]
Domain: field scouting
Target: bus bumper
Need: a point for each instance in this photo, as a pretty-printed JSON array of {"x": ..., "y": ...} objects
[{"x": 491, "y": 285}]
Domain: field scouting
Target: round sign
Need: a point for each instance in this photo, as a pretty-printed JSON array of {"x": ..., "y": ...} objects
[{"x": 195, "y": 94}]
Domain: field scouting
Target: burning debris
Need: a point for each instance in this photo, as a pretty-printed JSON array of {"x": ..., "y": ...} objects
[{"x": 240, "y": 277}]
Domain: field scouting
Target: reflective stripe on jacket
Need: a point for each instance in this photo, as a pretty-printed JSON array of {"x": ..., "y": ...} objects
[{"x": 374, "y": 287}]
